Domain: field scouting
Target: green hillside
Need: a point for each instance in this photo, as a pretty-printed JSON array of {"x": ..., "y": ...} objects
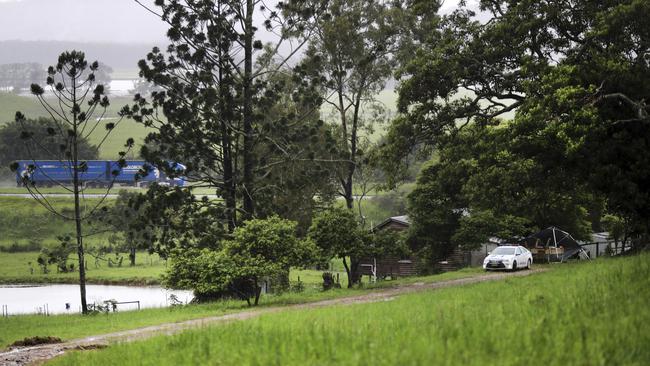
[{"x": 30, "y": 107}]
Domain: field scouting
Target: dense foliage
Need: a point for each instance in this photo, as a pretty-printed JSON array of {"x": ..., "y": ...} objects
[
  {"x": 572, "y": 76},
  {"x": 259, "y": 251}
]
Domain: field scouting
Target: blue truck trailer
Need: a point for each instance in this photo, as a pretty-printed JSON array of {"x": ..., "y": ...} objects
[{"x": 95, "y": 173}]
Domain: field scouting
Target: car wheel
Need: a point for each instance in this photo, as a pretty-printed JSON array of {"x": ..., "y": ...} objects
[
  {"x": 514, "y": 266},
  {"x": 529, "y": 263}
]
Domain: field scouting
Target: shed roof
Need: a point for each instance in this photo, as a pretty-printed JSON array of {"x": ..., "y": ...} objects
[{"x": 403, "y": 220}]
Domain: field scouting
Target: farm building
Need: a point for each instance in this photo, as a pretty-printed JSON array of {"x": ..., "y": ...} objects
[
  {"x": 398, "y": 267},
  {"x": 390, "y": 266}
]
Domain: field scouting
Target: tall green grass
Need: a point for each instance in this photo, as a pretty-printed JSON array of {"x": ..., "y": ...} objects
[{"x": 578, "y": 314}]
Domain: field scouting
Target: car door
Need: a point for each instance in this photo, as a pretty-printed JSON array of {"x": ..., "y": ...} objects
[
  {"x": 518, "y": 257},
  {"x": 525, "y": 256}
]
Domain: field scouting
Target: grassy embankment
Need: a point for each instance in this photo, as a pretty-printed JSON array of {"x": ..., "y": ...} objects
[
  {"x": 15, "y": 268},
  {"x": 75, "y": 326},
  {"x": 589, "y": 313}
]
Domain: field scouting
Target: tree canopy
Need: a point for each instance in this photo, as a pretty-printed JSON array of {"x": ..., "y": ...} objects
[{"x": 573, "y": 78}]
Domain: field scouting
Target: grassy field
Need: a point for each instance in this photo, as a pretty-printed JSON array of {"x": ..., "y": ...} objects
[
  {"x": 15, "y": 268},
  {"x": 23, "y": 221},
  {"x": 30, "y": 107},
  {"x": 76, "y": 326},
  {"x": 589, "y": 313}
]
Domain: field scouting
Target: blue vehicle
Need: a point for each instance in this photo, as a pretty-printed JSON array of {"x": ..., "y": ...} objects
[{"x": 96, "y": 173}]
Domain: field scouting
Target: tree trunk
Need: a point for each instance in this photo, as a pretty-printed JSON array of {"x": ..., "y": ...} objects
[
  {"x": 132, "y": 256},
  {"x": 226, "y": 116},
  {"x": 77, "y": 209},
  {"x": 247, "y": 182},
  {"x": 347, "y": 270},
  {"x": 347, "y": 189},
  {"x": 258, "y": 292}
]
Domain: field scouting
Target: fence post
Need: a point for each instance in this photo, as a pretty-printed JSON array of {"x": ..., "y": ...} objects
[{"x": 597, "y": 248}]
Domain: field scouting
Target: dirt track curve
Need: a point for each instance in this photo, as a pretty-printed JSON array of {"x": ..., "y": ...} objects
[{"x": 41, "y": 353}]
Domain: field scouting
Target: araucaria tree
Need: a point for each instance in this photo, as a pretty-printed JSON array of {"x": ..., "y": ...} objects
[
  {"x": 76, "y": 105},
  {"x": 212, "y": 108}
]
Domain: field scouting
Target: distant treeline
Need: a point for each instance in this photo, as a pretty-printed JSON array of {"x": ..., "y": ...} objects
[
  {"x": 118, "y": 56},
  {"x": 17, "y": 77}
]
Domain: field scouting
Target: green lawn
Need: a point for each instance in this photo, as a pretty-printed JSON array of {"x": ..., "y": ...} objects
[
  {"x": 75, "y": 326},
  {"x": 589, "y": 313}
]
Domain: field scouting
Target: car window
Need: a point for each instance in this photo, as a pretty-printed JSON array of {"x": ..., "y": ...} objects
[
  {"x": 518, "y": 251},
  {"x": 504, "y": 251}
]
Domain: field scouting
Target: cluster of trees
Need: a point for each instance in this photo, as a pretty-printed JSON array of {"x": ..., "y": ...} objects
[
  {"x": 11, "y": 151},
  {"x": 245, "y": 119},
  {"x": 576, "y": 76},
  {"x": 19, "y": 76}
]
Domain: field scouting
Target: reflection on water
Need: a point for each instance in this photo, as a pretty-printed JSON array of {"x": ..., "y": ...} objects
[{"x": 32, "y": 299}]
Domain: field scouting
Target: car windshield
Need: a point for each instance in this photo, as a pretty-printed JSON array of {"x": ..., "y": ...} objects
[{"x": 504, "y": 251}]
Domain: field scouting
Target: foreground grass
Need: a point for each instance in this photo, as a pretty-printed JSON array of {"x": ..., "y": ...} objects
[
  {"x": 75, "y": 326},
  {"x": 578, "y": 314}
]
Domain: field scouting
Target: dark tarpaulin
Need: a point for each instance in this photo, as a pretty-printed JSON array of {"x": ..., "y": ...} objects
[{"x": 554, "y": 237}]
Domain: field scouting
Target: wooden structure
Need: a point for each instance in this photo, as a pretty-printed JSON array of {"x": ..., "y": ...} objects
[
  {"x": 392, "y": 267},
  {"x": 455, "y": 261}
]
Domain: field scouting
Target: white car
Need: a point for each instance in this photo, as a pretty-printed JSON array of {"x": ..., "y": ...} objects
[{"x": 508, "y": 257}]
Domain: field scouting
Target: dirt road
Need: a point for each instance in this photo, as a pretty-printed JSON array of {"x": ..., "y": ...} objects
[{"x": 38, "y": 354}]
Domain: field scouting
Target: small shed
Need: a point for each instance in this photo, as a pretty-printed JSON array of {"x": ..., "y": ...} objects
[
  {"x": 398, "y": 223},
  {"x": 390, "y": 266}
]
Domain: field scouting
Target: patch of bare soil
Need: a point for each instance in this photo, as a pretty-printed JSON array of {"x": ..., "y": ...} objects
[
  {"x": 40, "y": 353},
  {"x": 33, "y": 341}
]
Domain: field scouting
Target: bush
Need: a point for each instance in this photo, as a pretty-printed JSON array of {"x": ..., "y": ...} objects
[{"x": 261, "y": 250}]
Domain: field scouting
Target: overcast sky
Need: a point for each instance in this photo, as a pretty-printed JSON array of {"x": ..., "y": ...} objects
[{"x": 120, "y": 21}]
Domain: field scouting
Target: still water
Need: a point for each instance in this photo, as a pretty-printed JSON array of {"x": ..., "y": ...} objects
[{"x": 34, "y": 299}]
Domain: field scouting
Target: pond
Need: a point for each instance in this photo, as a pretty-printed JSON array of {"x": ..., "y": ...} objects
[{"x": 65, "y": 299}]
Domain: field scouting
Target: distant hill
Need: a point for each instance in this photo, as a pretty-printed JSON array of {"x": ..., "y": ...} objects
[{"x": 121, "y": 57}]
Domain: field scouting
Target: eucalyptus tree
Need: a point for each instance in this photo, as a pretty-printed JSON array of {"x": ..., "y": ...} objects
[
  {"x": 77, "y": 109},
  {"x": 352, "y": 53}
]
